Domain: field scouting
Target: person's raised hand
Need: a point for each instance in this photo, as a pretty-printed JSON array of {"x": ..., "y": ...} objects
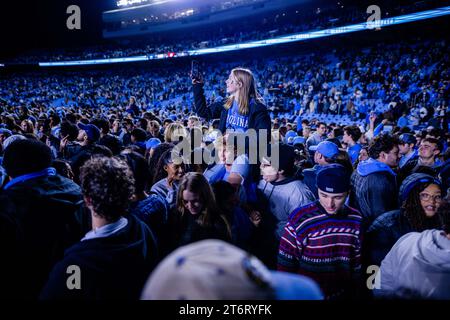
[
  {"x": 255, "y": 218},
  {"x": 196, "y": 80},
  {"x": 63, "y": 143}
]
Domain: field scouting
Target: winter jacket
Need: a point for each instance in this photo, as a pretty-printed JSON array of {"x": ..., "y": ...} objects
[
  {"x": 48, "y": 217},
  {"x": 373, "y": 190},
  {"x": 112, "y": 267},
  {"x": 384, "y": 233},
  {"x": 309, "y": 178},
  {"x": 418, "y": 263}
]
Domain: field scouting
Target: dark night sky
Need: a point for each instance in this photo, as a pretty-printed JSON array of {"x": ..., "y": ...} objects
[{"x": 26, "y": 25}]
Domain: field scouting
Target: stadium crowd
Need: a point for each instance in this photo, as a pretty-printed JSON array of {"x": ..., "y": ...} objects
[
  {"x": 89, "y": 179},
  {"x": 282, "y": 22}
]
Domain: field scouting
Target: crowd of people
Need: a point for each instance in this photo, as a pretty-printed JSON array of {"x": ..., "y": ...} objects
[
  {"x": 405, "y": 82},
  {"x": 355, "y": 175}
]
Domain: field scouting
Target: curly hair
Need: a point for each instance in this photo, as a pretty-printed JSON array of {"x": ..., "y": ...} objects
[
  {"x": 109, "y": 184},
  {"x": 412, "y": 209}
]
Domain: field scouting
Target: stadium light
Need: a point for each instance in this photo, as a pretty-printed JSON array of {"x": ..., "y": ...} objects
[
  {"x": 429, "y": 14},
  {"x": 95, "y": 61}
]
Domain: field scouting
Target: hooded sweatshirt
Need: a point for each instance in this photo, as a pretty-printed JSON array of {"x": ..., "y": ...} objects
[
  {"x": 284, "y": 197},
  {"x": 48, "y": 216},
  {"x": 374, "y": 190},
  {"x": 420, "y": 263}
]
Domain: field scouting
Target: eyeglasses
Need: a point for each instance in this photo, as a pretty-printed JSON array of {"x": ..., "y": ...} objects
[{"x": 428, "y": 197}]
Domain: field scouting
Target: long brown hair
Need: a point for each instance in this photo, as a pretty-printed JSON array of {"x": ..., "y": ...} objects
[
  {"x": 412, "y": 209},
  {"x": 196, "y": 182},
  {"x": 247, "y": 91}
]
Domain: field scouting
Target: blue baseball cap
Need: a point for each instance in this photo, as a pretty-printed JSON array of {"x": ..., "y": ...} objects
[
  {"x": 92, "y": 131},
  {"x": 298, "y": 140},
  {"x": 290, "y": 134},
  {"x": 408, "y": 138},
  {"x": 152, "y": 143},
  {"x": 327, "y": 148},
  {"x": 5, "y": 131}
]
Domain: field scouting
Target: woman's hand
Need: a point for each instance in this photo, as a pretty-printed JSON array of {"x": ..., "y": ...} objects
[
  {"x": 255, "y": 218},
  {"x": 63, "y": 143},
  {"x": 196, "y": 80}
]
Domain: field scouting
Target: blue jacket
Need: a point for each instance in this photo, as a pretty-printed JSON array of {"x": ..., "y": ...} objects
[
  {"x": 373, "y": 190},
  {"x": 309, "y": 178}
]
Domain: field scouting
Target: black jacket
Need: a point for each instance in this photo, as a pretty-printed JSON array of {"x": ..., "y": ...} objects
[
  {"x": 47, "y": 217},
  {"x": 383, "y": 234},
  {"x": 114, "y": 267},
  {"x": 258, "y": 118},
  {"x": 258, "y": 115}
]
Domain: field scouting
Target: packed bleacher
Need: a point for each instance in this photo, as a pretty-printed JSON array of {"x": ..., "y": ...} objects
[
  {"x": 140, "y": 182},
  {"x": 296, "y": 19}
]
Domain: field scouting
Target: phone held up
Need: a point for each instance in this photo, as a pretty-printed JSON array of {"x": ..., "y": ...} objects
[{"x": 195, "y": 70}]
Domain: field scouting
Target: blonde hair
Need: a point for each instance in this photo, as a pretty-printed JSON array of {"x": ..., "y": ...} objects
[
  {"x": 247, "y": 91},
  {"x": 153, "y": 123},
  {"x": 174, "y": 132}
]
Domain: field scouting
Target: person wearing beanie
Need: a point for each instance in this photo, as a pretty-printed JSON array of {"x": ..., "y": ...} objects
[
  {"x": 48, "y": 210},
  {"x": 419, "y": 263},
  {"x": 325, "y": 153},
  {"x": 420, "y": 196},
  {"x": 281, "y": 189},
  {"x": 322, "y": 240}
]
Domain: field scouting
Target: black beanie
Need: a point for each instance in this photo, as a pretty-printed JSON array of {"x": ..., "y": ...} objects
[
  {"x": 333, "y": 178},
  {"x": 26, "y": 156}
]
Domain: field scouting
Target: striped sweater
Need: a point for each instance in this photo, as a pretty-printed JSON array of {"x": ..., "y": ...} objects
[{"x": 323, "y": 247}]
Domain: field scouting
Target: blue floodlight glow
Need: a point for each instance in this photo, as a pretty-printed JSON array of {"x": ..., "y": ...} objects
[
  {"x": 270, "y": 42},
  {"x": 95, "y": 61},
  {"x": 327, "y": 32}
]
